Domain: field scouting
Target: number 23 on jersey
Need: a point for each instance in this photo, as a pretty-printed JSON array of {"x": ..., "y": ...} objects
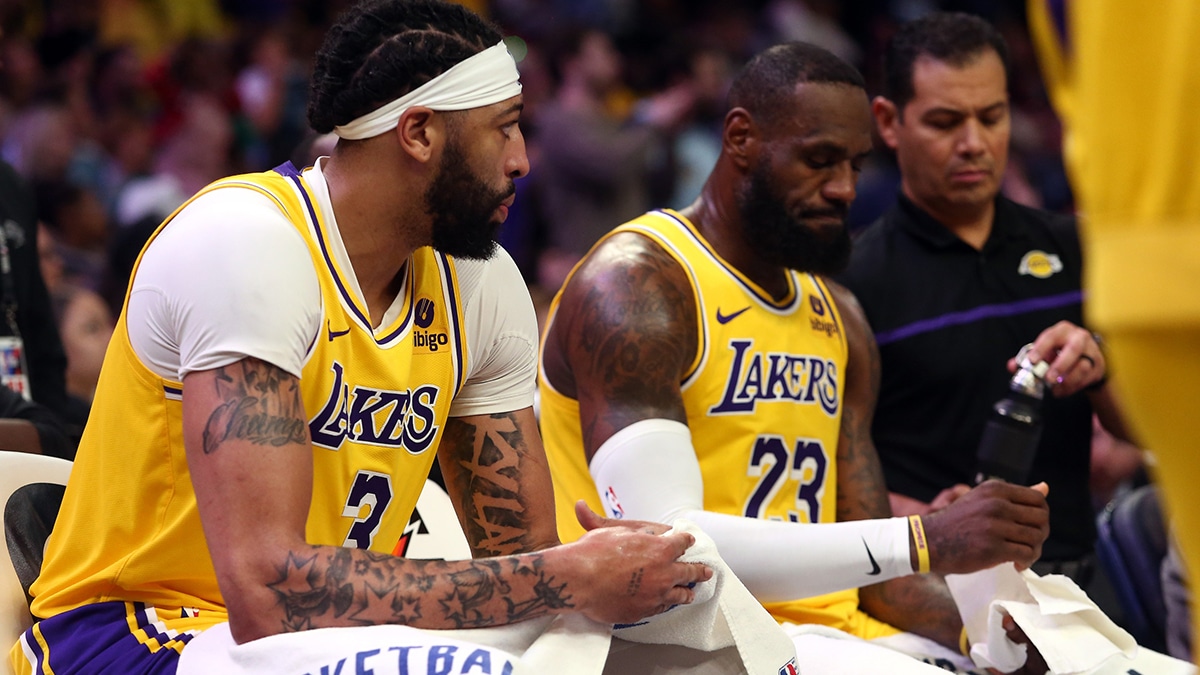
[{"x": 776, "y": 463}]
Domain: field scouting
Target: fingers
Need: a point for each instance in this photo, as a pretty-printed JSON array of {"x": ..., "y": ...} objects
[
  {"x": 1035, "y": 663},
  {"x": 693, "y": 573},
  {"x": 1013, "y": 630},
  {"x": 949, "y": 495},
  {"x": 1024, "y": 506},
  {"x": 1024, "y": 535},
  {"x": 1011, "y": 492},
  {"x": 588, "y": 518},
  {"x": 1075, "y": 359},
  {"x": 996, "y": 522},
  {"x": 635, "y": 574},
  {"x": 680, "y": 542},
  {"x": 679, "y": 595}
]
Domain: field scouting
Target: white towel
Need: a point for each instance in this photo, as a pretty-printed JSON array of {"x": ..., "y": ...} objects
[
  {"x": 564, "y": 644},
  {"x": 724, "y": 614},
  {"x": 724, "y": 620},
  {"x": 1070, "y": 631}
]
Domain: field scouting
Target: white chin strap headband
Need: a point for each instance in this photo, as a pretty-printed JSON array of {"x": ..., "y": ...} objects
[{"x": 488, "y": 77}]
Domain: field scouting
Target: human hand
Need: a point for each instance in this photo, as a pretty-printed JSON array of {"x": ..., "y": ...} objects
[
  {"x": 994, "y": 522},
  {"x": 903, "y": 505},
  {"x": 1035, "y": 663},
  {"x": 669, "y": 108},
  {"x": 590, "y": 520},
  {"x": 629, "y": 570},
  {"x": 1075, "y": 358},
  {"x": 949, "y": 496}
]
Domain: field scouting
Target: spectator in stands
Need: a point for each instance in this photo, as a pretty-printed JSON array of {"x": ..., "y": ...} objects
[
  {"x": 196, "y": 152},
  {"x": 595, "y": 167},
  {"x": 34, "y": 318},
  {"x": 41, "y": 142},
  {"x": 86, "y": 325},
  {"x": 26, "y": 426},
  {"x": 697, "y": 145},
  {"x": 79, "y": 224}
]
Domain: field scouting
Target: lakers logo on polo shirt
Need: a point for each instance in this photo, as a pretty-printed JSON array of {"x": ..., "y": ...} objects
[{"x": 1040, "y": 264}]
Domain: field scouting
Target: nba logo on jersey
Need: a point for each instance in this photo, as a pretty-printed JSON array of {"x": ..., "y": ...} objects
[
  {"x": 789, "y": 668},
  {"x": 611, "y": 504}
]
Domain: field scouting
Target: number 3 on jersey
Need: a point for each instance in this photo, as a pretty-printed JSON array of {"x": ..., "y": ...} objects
[
  {"x": 374, "y": 491},
  {"x": 775, "y": 463}
]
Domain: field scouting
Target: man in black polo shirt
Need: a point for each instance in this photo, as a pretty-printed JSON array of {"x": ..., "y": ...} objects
[{"x": 955, "y": 278}]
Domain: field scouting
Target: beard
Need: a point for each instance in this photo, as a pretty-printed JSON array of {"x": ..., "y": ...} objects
[
  {"x": 462, "y": 206},
  {"x": 780, "y": 238}
]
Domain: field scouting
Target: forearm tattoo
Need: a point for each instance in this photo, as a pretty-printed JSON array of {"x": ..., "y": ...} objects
[
  {"x": 329, "y": 586},
  {"x": 487, "y": 475},
  {"x": 862, "y": 489},
  {"x": 919, "y": 603},
  {"x": 261, "y": 405}
]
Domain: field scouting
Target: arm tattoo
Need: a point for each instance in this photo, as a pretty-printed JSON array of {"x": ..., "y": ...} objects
[
  {"x": 328, "y": 586},
  {"x": 635, "y": 336},
  {"x": 862, "y": 489},
  {"x": 919, "y": 603},
  {"x": 488, "y": 476},
  {"x": 261, "y": 405}
]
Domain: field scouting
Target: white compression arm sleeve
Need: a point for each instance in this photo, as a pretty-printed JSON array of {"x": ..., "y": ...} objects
[{"x": 649, "y": 471}]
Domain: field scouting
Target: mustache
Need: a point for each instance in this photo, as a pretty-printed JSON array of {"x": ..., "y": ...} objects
[{"x": 839, "y": 212}]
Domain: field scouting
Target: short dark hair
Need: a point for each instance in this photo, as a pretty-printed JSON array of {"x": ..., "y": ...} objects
[
  {"x": 951, "y": 37},
  {"x": 765, "y": 85},
  {"x": 380, "y": 50}
]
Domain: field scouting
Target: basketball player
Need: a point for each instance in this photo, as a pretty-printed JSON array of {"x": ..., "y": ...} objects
[
  {"x": 696, "y": 365},
  {"x": 1124, "y": 79},
  {"x": 294, "y": 349}
]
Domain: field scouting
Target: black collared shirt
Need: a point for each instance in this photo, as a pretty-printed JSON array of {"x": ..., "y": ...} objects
[{"x": 947, "y": 318}]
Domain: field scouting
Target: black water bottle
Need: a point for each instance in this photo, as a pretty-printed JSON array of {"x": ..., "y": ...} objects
[{"x": 1011, "y": 435}]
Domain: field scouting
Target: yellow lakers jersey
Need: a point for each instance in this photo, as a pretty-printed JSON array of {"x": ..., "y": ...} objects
[
  {"x": 377, "y": 402},
  {"x": 1124, "y": 81},
  {"x": 763, "y": 400}
]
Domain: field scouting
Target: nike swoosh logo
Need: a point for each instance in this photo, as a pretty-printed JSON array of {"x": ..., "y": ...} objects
[
  {"x": 874, "y": 565},
  {"x": 726, "y": 318},
  {"x": 335, "y": 333}
]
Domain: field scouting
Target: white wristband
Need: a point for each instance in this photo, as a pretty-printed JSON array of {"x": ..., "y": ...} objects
[{"x": 649, "y": 471}]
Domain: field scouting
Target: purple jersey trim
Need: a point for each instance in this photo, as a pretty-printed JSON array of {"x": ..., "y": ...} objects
[
  {"x": 96, "y": 638},
  {"x": 765, "y": 299}
]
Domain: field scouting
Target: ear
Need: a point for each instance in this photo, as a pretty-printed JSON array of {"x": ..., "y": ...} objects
[
  {"x": 420, "y": 132},
  {"x": 740, "y": 137},
  {"x": 887, "y": 118}
]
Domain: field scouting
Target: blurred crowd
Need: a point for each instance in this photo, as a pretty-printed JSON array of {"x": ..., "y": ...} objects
[{"x": 115, "y": 111}]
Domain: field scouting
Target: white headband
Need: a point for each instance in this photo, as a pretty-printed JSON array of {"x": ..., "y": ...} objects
[{"x": 483, "y": 79}]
